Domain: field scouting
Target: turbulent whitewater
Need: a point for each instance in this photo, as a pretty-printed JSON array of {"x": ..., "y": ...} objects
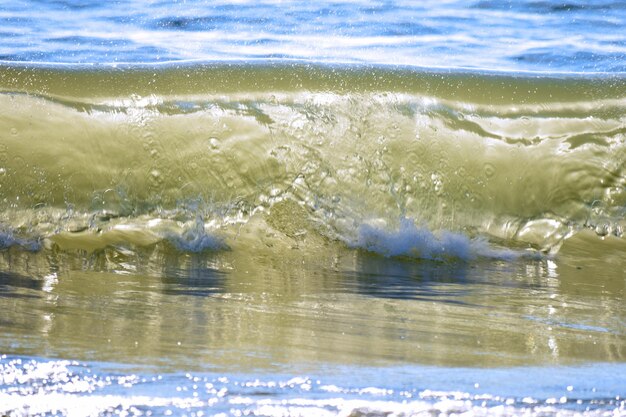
[{"x": 399, "y": 161}]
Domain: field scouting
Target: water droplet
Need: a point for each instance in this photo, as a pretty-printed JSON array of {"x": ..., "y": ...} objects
[
  {"x": 155, "y": 173},
  {"x": 13, "y": 131}
]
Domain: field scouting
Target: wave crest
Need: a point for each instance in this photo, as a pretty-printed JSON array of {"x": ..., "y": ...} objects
[{"x": 530, "y": 169}]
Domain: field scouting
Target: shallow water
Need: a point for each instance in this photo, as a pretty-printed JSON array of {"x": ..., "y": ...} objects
[
  {"x": 282, "y": 331},
  {"x": 281, "y": 209},
  {"x": 283, "y": 308}
]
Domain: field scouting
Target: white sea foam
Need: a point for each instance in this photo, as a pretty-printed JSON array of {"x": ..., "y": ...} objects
[
  {"x": 409, "y": 240},
  {"x": 194, "y": 238},
  {"x": 8, "y": 239}
]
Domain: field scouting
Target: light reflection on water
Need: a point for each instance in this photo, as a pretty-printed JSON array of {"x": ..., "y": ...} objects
[
  {"x": 39, "y": 387},
  {"x": 538, "y": 36},
  {"x": 282, "y": 331},
  {"x": 270, "y": 328},
  {"x": 259, "y": 311}
]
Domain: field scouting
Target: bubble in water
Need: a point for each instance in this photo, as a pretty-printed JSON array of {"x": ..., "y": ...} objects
[
  {"x": 13, "y": 131},
  {"x": 437, "y": 182},
  {"x": 20, "y": 162},
  {"x": 214, "y": 143},
  {"x": 489, "y": 170},
  {"x": 603, "y": 230}
]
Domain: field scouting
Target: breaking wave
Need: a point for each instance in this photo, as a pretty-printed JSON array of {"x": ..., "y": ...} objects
[{"x": 396, "y": 161}]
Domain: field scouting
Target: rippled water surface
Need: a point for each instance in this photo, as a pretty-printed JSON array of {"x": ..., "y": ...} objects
[
  {"x": 350, "y": 208},
  {"x": 279, "y": 331},
  {"x": 515, "y": 35}
]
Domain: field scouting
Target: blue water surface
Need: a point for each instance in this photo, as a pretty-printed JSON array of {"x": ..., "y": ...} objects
[
  {"x": 545, "y": 36},
  {"x": 45, "y": 387}
]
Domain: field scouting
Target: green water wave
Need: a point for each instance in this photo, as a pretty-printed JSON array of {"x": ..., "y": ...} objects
[{"x": 345, "y": 153}]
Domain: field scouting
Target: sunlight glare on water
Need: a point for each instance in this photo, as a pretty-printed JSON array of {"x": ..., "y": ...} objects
[
  {"x": 507, "y": 35},
  {"x": 280, "y": 208}
]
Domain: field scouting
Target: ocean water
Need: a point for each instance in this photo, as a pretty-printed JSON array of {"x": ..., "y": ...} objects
[{"x": 274, "y": 208}]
